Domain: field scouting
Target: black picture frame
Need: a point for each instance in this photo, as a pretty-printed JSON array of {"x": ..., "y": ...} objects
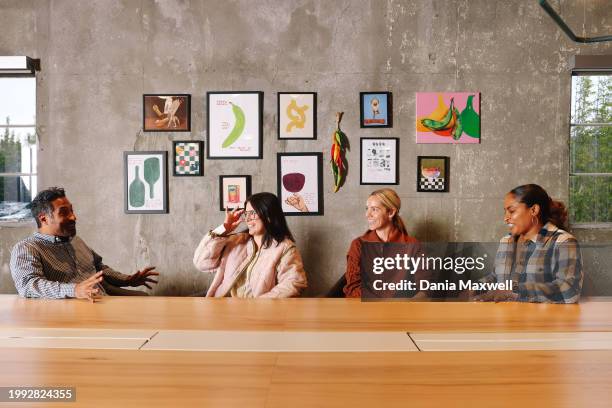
[
  {"x": 319, "y": 178},
  {"x": 128, "y": 201},
  {"x": 314, "y": 116},
  {"x": 433, "y": 182},
  {"x": 363, "y": 180},
  {"x": 187, "y": 108},
  {"x": 200, "y": 171},
  {"x": 210, "y": 138},
  {"x": 389, "y": 105},
  {"x": 247, "y": 181}
]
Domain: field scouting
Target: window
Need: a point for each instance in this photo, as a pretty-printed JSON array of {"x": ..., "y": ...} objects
[
  {"x": 18, "y": 179},
  {"x": 591, "y": 149}
]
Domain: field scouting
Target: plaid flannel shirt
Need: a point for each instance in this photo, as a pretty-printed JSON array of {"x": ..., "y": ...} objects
[
  {"x": 45, "y": 266},
  {"x": 548, "y": 269}
]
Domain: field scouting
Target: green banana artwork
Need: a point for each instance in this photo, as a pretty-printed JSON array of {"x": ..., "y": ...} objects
[
  {"x": 439, "y": 125},
  {"x": 238, "y": 126},
  {"x": 151, "y": 173}
]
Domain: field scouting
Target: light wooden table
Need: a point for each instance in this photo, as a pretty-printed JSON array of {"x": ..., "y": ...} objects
[
  {"x": 175, "y": 313},
  {"x": 121, "y": 378},
  {"x": 162, "y": 378}
]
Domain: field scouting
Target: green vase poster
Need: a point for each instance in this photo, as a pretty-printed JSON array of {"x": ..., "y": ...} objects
[{"x": 146, "y": 178}]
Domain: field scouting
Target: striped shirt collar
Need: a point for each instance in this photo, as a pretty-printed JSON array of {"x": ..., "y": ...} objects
[{"x": 52, "y": 238}]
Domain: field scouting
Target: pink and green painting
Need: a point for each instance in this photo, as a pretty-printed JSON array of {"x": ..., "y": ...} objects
[{"x": 448, "y": 117}]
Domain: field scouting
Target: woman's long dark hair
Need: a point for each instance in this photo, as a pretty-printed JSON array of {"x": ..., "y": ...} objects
[
  {"x": 550, "y": 210},
  {"x": 268, "y": 208}
]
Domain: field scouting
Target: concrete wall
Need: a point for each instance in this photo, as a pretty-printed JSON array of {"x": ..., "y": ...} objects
[{"x": 99, "y": 57}]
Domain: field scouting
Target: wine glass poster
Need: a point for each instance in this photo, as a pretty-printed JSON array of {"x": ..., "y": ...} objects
[
  {"x": 233, "y": 191},
  {"x": 300, "y": 183},
  {"x": 166, "y": 113},
  {"x": 378, "y": 164},
  {"x": 146, "y": 182},
  {"x": 234, "y": 125},
  {"x": 448, "y": 117},
  {"x": 297, "y": 115}
]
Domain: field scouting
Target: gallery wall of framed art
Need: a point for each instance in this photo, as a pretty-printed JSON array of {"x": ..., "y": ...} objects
[{"x": 234, "y": 130}]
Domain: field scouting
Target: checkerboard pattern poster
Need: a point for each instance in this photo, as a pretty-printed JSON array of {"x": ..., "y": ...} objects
[{"x": 188, "y": 158}]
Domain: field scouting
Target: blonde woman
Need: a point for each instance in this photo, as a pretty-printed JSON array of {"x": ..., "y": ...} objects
[{"x": 384, "y": 225}]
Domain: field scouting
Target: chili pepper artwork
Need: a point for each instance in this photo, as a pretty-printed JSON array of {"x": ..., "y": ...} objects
[
  {"x": 338, "y": 160},
  {"x": 448, "y": 117}
]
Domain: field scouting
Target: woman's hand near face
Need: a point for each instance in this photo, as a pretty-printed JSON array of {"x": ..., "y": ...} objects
[{"x": 232, "y": 219}]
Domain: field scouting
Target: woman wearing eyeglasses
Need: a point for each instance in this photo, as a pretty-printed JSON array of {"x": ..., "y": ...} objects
[{"x": 263, "y": 262}]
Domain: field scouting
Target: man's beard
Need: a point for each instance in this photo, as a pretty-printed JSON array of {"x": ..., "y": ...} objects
[{"x": 69, "y": 229}]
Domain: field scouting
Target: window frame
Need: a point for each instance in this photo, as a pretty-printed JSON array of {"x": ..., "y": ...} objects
[
  {"x": 585, "y": 71},
  {"x": 34, "y": 171}
]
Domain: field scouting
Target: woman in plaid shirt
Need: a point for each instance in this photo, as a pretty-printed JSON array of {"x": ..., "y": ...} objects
[{"x": 542, "y": 259}]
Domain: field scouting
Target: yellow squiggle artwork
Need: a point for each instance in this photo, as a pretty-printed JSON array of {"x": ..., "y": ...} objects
[{"x": 298, "y": 119}]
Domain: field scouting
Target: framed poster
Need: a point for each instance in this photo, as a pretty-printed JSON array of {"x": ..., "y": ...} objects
[
  {"x": 432, "y": 174},
  {"x": 448, "y": 117},
  {"x": 233, "y": 191},
  {"x": 297, "y": 115},
  {"x": 188, "y": 158},
  {"x": 300, "y": 183},
  {"x": 166, "y": 113},
  {"x": 376, "y": 110},
  {"x": 234, "y": 125},
  {"x": 146, "y": 182},
  {"x": 378, "y": 164}
]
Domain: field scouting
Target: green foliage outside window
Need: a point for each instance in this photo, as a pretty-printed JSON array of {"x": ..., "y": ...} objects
[{"x": 591, "y": 150}]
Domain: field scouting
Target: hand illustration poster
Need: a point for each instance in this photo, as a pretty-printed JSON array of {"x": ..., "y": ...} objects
[
  {"x": 166, "y": 113},
  {"x": 145, "y": 176},
  {"x": 234, "y": 125},
  {"x": 297, "y": 115},
  {"x": 299, "y": 181}
]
